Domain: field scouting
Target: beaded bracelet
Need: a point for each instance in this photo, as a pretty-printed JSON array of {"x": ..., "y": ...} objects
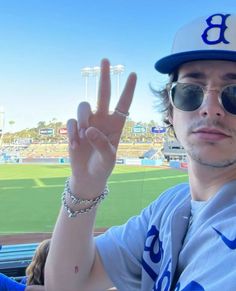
[{"x": 75, "y": 200}]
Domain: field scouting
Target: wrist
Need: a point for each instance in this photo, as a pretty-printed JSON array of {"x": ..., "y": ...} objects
[
  {"x": 73, "y": 204},
  {"x": 86, "y": 188}
]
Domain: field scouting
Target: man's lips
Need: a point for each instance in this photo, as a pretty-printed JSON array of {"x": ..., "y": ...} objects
[{"x": 212, "y": 134}]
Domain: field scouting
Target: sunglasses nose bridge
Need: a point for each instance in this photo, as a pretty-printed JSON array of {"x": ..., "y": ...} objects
[
  {"x": 208, "y": 90},
  {"x": 211, "y": 93},
  {"x": 211, "y": 104}
]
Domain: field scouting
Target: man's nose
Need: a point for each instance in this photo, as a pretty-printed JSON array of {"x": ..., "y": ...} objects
[{"x": 211, "y": 106}]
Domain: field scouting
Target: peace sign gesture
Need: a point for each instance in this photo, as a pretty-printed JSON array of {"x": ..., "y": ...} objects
[{"x": 94, "y": 136}]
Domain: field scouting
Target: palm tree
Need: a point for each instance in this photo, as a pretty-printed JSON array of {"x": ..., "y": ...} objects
[
  {"x": 11, "y": 123},
  {"x": 41, "y": 124}
]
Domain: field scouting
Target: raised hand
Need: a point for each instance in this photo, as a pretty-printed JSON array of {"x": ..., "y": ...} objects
[{"x": 94, "y": 136}]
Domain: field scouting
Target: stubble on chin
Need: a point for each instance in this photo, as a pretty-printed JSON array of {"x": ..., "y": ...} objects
[{"x": 196, "y": 156}]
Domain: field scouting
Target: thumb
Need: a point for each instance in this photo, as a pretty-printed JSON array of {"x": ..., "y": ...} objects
[{"x": 101, "y": 143}]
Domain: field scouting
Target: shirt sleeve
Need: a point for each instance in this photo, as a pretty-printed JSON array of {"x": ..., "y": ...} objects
[
  {"x": 8, "y": 284},
  {"x": 121, "y": 250},
  {"x": 24, "y": 280}
]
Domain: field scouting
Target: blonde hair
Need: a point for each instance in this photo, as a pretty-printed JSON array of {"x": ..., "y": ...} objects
[{"x": 35, "y": 270}]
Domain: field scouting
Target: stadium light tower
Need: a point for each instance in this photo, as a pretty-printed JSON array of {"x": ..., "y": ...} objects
[
  {"x": 118, "y": 70},
  {"x": 86, "y": 72}
]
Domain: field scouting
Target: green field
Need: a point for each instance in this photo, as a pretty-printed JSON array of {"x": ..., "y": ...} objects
[{"x": 30, "y": 194}]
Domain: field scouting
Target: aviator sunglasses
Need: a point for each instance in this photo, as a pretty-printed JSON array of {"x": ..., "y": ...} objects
[{"x": 189, "y": 97}]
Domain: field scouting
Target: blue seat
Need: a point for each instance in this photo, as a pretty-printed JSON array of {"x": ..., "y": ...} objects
[{"x": 14, "y": 259}]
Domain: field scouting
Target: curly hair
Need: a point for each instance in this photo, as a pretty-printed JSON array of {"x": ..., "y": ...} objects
[{"x": 35, "y": 270}]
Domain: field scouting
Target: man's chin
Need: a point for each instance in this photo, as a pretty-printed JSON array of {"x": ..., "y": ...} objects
[{"x": 211, "y": 159}]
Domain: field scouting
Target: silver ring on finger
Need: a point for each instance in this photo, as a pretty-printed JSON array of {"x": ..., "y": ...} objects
[{"x": 125, "y": 115}]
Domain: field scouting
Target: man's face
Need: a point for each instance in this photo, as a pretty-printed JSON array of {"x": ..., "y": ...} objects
[{"x": 208, "y": 134}]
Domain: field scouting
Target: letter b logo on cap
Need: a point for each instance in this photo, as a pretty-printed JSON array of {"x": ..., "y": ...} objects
[
  {"x": 206, "y": 38},
  {"x": 220, "y": 26}
]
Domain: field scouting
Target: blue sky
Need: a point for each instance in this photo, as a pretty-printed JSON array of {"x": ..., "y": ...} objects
[{"x": 44, "y": 44}]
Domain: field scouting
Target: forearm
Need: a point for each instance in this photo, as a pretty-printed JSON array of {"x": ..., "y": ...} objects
[
  {"x": 72, "y": 262},
  {"x": 72, "y": 252}
]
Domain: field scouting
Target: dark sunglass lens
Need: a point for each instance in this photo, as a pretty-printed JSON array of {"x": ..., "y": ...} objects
[
  {"x": 187, "y": 97},
  {"x": 228, "y": 99}
]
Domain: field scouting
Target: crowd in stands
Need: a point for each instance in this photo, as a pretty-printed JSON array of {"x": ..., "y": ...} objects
[
  {"x": 29, "y": 143},
  {"x": 125, "y": 150}
]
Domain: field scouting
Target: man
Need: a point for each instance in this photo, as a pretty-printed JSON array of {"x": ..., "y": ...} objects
[{"x": 186, "y": 239}]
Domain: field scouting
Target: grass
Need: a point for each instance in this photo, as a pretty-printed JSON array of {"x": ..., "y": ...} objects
[{"x": 30, "y": 194}]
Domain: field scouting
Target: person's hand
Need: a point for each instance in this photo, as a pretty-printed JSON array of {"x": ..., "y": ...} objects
[{"x": 94, "y": 137}]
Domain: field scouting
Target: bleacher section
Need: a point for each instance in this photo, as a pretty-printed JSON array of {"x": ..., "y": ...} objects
[
  {"x": 45, "y": 151},
  {"x": 125, "y": 150},
  {"x": 138, "y": 150},
  {"x": 150, "y": 154}
]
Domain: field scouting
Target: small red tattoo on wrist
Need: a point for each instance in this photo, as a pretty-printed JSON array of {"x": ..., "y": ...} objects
[{"x": 76, "y": 269}]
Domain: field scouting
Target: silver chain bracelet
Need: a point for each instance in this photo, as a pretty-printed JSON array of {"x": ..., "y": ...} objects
[
  {"x": 76, "y": 200},
  {"x": 92, "y": 202}
]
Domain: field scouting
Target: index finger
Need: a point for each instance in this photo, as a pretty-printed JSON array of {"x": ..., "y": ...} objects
[{"x": 104, "y": 92}]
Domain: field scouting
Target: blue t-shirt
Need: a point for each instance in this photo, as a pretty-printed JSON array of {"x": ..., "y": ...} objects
[{"x": 8, "y": 284}]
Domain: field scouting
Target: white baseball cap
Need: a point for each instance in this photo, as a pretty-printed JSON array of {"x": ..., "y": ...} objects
[{"x": 207, "y": 38}]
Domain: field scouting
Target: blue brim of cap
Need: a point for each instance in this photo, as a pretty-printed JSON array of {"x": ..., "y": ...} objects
[{"x": 169, "y": 64}]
